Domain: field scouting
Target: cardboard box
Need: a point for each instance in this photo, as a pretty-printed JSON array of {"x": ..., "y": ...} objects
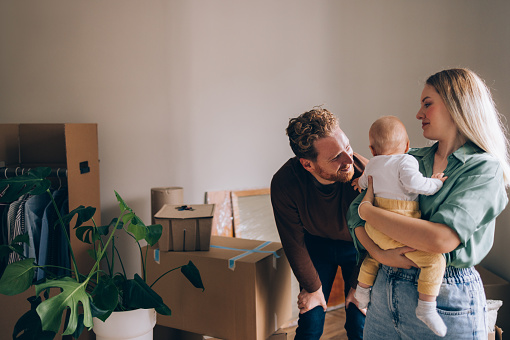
[
  {"x": 185, "y": 229},
  {"x": 497, "y": 288},
  {"x": 247, "y": 289},
  {"x": 496, "y": 335}
]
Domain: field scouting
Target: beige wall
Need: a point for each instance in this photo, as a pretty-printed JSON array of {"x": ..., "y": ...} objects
[{"x": 198, "y": 93}]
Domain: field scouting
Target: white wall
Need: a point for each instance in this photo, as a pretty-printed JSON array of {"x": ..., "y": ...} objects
[{"x": 198, "y": 93}]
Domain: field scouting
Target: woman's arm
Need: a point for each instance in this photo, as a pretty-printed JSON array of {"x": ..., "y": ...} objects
[
  {"x": 415, "y": 233},
  {"x": 390, "y": 257}
]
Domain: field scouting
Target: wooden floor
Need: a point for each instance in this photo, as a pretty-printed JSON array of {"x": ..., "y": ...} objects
[{"x": 333, "y": 327}]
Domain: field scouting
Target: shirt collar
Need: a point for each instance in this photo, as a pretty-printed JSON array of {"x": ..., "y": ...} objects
[{"x": 463, "y": 154}]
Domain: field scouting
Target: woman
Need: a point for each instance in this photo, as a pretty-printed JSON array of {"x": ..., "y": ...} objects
[{"x": 472, "y": 151}]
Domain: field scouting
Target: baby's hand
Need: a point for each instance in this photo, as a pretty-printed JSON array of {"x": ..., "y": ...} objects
[
  {"x": 354, "y": 183},
  {"x": 440, "y": 176}
]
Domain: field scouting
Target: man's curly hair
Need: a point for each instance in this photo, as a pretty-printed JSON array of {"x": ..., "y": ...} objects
[{"x": 304, "y": 130}]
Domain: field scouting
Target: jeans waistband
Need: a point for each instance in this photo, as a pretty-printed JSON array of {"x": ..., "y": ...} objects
[{"x": 452, "y": 275}]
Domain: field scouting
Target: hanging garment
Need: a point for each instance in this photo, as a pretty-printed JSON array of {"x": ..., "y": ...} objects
[
  {"x": 16, "y": 223},
  {"x": 34, "y": 211},
  {"x": 51, "y": 235}
]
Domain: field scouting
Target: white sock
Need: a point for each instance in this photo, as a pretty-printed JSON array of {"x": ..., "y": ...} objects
[
  {"x": 363, "y": 296},
  {"x": 426, "y": 312}
]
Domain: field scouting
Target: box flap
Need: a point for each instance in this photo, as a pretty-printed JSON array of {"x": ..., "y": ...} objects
[{"x": 199, "y": 211}]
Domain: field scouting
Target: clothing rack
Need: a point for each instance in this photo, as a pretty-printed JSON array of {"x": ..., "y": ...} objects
[{"x": 8, "y": 172}]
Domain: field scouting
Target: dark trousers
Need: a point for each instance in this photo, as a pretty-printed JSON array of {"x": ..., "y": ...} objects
[{"x": 327, "y": 255}]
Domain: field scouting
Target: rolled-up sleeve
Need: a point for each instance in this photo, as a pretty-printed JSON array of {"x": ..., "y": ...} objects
[{"x": 354, "y": 220}]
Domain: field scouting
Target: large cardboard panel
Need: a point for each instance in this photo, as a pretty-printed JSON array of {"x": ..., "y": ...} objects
[
  {"x": 497, "y": 288},
  {"x": 81, "y": 145},
  {"x": 250, "y": 301}
]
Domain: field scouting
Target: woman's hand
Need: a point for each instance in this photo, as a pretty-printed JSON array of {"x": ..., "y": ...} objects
[
  {"x": 395, "y": 257},
  {"x": 391, "y": 257}
]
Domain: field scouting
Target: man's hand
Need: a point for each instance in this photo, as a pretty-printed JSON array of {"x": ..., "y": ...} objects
[
  {"x": 351, "y": 299},
  {"x": 308, "y": 301}
]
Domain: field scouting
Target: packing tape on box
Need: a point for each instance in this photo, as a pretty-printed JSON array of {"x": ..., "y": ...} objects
[{"x": 232, "y": 261}]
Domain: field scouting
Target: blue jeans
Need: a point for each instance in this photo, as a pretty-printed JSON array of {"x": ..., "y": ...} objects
[
  {"x": 327, "y": 255},
  {"x": 461, "y": 304}
]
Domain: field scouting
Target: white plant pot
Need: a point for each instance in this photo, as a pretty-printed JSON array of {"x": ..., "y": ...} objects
[{"x": 129, "y": 325}]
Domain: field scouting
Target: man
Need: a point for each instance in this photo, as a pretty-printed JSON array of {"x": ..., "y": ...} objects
[{"x": 311, "y": 194}]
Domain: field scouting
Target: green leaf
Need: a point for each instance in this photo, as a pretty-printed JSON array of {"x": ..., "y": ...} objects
[
  {"x": 126, "y": 218},
  {"x": 17, "y": 277},
  {"x": 34, "y": 182},
  {"x": 193, "y": 275},
  {"x": 137, "y": 294},
  {"x": 153, "y": 233},
  {"x": 84, "y": 232},
  {"x": 28, "y": 326},
  {"x": 122, "y": 205},
  {"x": 106, "y": 294},
  {"x": 51, "y": 310},
  {"x": 138, "y": 230},
  {"x": 84, "y": 214},
  {"x": 24, "y": 238},
  {"x": 18, "y": 248},
  {"x": 101, "y": 314},
  {"x": 79, "y": 328}
]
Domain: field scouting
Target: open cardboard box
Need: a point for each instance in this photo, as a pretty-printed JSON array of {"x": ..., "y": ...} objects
[
  {"x": 246, "y": 294},
  {"x": 185, "y": 229}
]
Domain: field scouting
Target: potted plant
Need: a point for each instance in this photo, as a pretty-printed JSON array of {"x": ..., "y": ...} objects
[{"x": 77, "y": 297}]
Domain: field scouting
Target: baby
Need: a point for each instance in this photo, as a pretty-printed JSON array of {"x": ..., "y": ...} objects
[{"x": 397, "y": 183}]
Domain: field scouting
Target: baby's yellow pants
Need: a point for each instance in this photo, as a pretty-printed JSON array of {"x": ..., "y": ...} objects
[{"x": 432, "y": 265}]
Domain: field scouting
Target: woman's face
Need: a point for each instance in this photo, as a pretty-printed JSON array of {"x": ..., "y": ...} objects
[{"x": 436, "y": 121}]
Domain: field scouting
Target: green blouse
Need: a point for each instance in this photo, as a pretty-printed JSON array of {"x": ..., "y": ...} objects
[{"x": 469, "y": 201}]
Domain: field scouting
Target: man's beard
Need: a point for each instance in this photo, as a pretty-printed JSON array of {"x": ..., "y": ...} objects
[{"x": 339, "y": 176}]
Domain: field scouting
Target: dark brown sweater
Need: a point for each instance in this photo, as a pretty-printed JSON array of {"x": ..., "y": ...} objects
[{"x": 301, "y": 203}]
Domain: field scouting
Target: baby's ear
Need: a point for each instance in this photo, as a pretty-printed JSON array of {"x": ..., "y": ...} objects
[
  {"x": 407, "y": 146},
  {"x": 372, "y": 150}
]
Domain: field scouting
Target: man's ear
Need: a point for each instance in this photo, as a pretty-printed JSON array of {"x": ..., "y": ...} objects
[{"x": 307, "y": 164}]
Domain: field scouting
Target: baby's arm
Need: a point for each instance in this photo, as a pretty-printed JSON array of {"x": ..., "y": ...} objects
[{"x": 412, "y": 179}]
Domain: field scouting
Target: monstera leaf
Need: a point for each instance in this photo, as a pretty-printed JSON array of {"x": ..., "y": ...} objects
[
  {"x": 137, "y": 294},
  {"x": 135, "y": 225},
  {"x": 34, "y": 182},
  {"x": 17, "y": 277},
  {"x": 51, "y": 310}
]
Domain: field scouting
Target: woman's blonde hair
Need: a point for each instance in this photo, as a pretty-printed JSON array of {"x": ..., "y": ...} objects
[{"x": 470, "y": 103}]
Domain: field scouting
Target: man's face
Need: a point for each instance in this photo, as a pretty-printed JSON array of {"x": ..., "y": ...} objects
[{"x": 334, "y": 160}]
